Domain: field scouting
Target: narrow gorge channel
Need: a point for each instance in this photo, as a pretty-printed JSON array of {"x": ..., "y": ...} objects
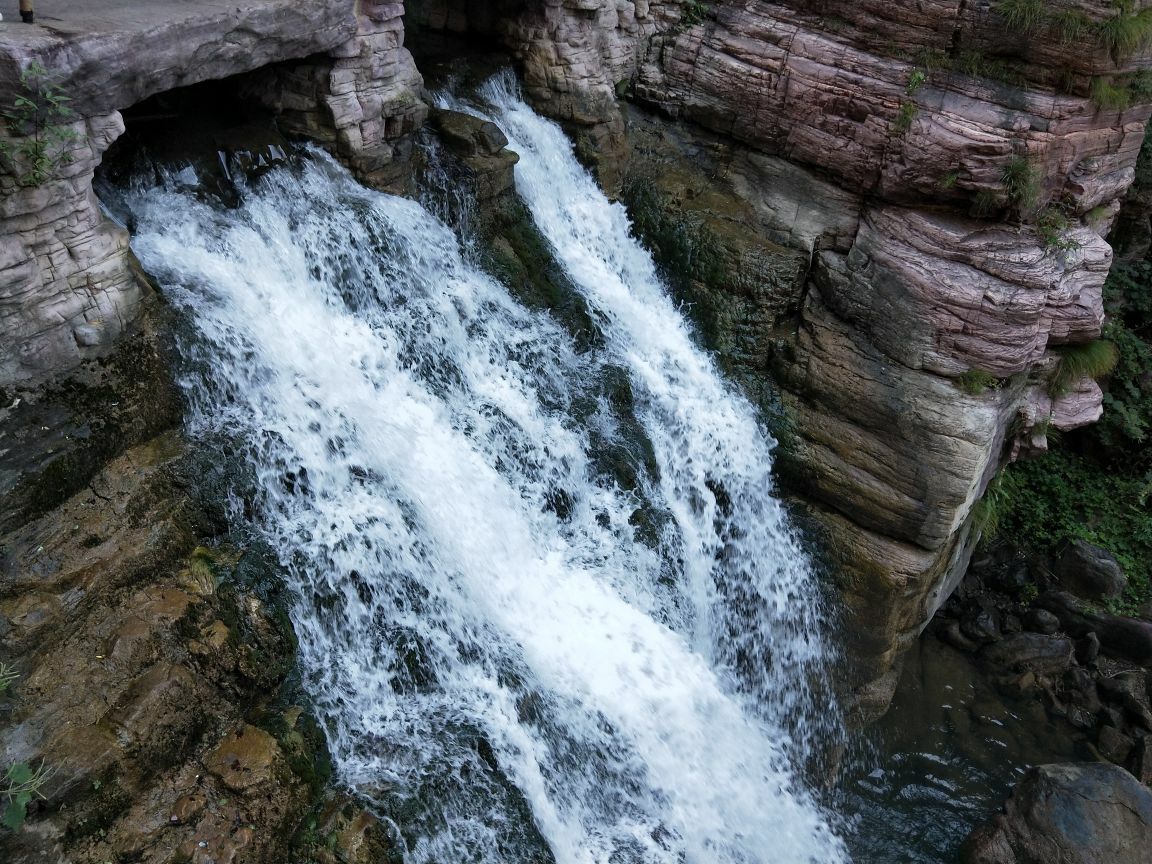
[{"x": 513, "y": 656}]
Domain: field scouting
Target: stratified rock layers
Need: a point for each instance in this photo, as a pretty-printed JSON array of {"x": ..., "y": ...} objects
[
  {"x": 66, "y": 288},
  {"x": 923, "y": 350}
]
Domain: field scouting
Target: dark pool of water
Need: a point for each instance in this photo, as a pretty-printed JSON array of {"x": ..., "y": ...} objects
[{"x": 944, "y": 758}]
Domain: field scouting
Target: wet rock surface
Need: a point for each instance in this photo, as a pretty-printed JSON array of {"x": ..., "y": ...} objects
[
  {"x": 1086, "y": 666},
  {"x": 152, "y": 652},
  {"x": 1077, "y": 813}
]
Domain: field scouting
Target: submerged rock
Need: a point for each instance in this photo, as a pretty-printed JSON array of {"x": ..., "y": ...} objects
[{"x": 1071, "y": 814}]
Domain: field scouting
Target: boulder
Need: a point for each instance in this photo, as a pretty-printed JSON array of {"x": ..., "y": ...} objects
[
  {"x": 1090, "y": 572},
  {"x": 1034, "y": 651},
  {"x": 1072, "y": 814},
  {"x": 1126, "y": 638},
  {"x": 1043, "y": 621}
]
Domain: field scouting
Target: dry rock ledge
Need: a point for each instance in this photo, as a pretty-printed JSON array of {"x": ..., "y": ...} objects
[{"x": 860, "y": 155}]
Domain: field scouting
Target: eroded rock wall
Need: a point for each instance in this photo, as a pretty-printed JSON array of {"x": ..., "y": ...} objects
[
  {"x": 67, "y": 292},
  {"x": 975, "y": 175}
]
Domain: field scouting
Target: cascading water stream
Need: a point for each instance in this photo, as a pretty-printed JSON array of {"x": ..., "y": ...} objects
[{"x": 501, "y": 665}]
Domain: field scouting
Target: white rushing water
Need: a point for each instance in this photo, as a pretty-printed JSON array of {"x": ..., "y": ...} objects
[{"x": 500, "y": 663}]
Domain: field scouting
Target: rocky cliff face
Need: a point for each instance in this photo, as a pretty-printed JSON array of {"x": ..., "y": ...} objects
[
  {"x": 950, "y": 170},
  {"x": 66, "y": 288},
  {"x": 911, "y": 198}
]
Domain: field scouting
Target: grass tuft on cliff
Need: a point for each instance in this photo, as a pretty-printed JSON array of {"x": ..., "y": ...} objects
[
  {"x": 1126, "y": 32},
  {"x": 1077, "y": 362},
  {"x": 977, "y": 381},
  {"x": 1021, "y": 183},
  {"x": 1022, "y": 16}
]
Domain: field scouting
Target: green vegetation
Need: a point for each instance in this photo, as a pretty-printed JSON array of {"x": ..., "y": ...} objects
[
  {"x": 1022, "y": 16},
  {"x": 692, "y": 12},
  {"x": 1097, "y": 485},
  {"x": 1122, "y": 34},
  {"x": 1077, "y": 362},
  {"x": 1051, "y": 227},
  {"x": 977, "y": 381},
  {"x": 1021, "y": 183},
  {"x": 833, "y": 23},
  {"x": 988, "y": 513},
  {"x": 1126, "y": 32},
  {"x": 977, "y": 64},
  {"x": 905, "y": 116},
  {"x": 948, "y": 181},
  {"x": 1073, "y": 25},
  {"x": 1122, "y": 91},
  {"x": 1062, "y": 496},
  {"x": 7, "y": 676},
  {"x": 916, "y": 79},
  {"x": 19, "y": 785},
  {"x": 35, "y": 124},
  {"x": 1109, "y": 97}
]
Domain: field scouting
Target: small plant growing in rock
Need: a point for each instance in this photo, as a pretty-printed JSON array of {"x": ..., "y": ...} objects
[
  {"x": 1108, "y": 96},
  {"x": 977, "y": 381},
  {"x": 1077, "y": 362},
  {"x": 692, "y": 12},
  {"x": 916, "y": 79},
  {"x": 988, "y": 512},
  {"x": 1126, "y": 32},
  {"x": 905, "y": 116},
  {"x": 949, "y": 180},
  {"x": 19, "y": 785},
  {"x": 7, "y": 676},
  {"x": 1072, "y": 24},
  {"x": 1022, "y": 16},
  {"x": 36, "y": 126},
  {"x": 1021, "y": 181},
  {"x": 1051, "y": 227}
]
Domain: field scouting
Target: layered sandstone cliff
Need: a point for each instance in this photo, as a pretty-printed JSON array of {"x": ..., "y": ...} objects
[
  {"x": 951, "y": 172},
  {"x": 339, "y": 73},
  {"x": 916, "y": 194}
]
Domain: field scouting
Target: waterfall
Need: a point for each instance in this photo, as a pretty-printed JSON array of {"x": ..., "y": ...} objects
[{"x": 506, "y": 665}]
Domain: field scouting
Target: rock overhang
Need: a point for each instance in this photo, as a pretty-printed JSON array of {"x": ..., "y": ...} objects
[{"x": 113, "y": 54}]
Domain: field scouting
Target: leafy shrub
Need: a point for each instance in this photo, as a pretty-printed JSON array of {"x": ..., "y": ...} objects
[
  {"x": 1098, "y": 484},
  {"x": 19, "y": 785},
  {"x": 692, "y": 12},
  {"x": 1062, "y": 496},
  {"x": 1127, "y": 420},
  {"x": 39, "y": 140},
  {"x": 1051, "y": 227}
]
